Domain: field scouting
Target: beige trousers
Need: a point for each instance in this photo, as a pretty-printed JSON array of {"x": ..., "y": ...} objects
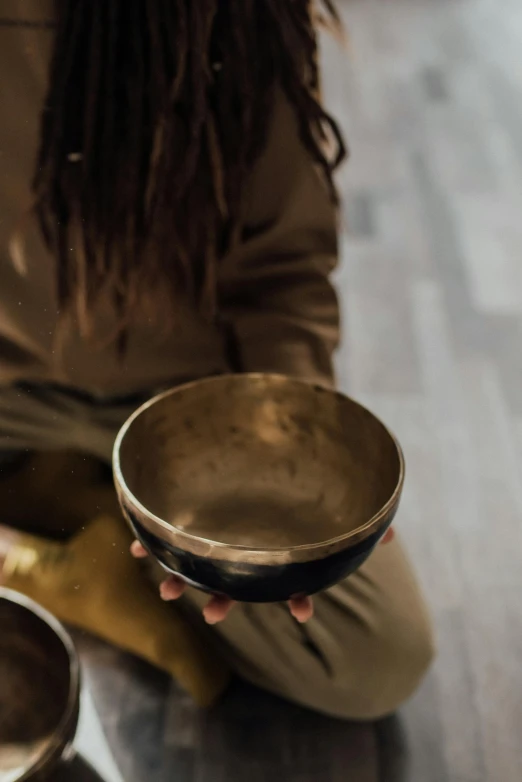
[{"x": 366, "y": 648}]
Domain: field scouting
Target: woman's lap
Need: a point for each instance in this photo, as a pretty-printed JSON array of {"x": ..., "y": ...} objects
[{"x": 363, "y": 653}]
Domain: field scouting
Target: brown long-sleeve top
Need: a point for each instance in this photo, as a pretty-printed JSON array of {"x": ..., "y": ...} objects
[{"x": 274, "y": 288}]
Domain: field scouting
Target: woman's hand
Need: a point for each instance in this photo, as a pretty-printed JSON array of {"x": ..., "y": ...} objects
[{"x": 218, "y": 607}]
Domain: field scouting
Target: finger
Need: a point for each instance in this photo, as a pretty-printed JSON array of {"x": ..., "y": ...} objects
[
  {"x": 302, "y": 609},
  {"x": 172, "y": 588},
  {"x": 217, "y": 609},
  {"x": 138, "y": 551},
  {"x": 389, "y": 536}
]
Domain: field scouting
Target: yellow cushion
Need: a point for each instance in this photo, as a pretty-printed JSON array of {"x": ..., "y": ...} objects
[{"x": 93, "y": 583}]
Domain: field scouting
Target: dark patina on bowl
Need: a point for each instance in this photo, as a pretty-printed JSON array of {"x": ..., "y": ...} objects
[
  {"x": 258, "y": 487},
  {"x": 39, "y": 691}
]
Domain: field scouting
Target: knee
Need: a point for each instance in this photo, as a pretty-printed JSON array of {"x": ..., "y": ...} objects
[
  {"x": 396, "y": 658},
  {"x": 381, "y": 669}
]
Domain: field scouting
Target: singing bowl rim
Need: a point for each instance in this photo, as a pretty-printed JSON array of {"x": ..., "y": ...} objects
[
  {"x": 64, "y": 732},
  {"x": 228, "y": 551}
]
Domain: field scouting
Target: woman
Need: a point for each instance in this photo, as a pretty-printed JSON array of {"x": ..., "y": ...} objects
[{"x": 180, "y": 221}]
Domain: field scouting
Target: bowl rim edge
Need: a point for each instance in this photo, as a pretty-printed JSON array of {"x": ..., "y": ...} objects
[{"x": 357, "y": 534}]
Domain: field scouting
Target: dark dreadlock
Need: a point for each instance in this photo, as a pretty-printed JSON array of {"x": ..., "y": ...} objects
[{"x": 155, "y": 113}]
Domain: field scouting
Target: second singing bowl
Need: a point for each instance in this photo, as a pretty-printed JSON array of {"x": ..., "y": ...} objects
[
  {"x": 39, "y": 691},
  {"x": 258, "y": 487}
]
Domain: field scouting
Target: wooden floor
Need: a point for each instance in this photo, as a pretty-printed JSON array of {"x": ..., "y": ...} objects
[{"x": 431, "y": 99}]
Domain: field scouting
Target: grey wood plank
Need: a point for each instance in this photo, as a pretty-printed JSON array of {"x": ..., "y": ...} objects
[
  {"x": 495, "y": 642},
  {"x": 360, "y": 214},
  {"x": 422, "y": 721},
  {"x": 458, "y": 698},
  {"x": 434, "y": 83},
  {"x": 381, "y": 350},
  {"x": 491, "y": 236}
]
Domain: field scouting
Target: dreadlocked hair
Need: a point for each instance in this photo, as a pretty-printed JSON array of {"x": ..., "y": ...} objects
[{"x": 155, "y": 113}]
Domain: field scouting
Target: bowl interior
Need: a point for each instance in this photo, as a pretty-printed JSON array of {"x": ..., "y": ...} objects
[
  {"x": 258, "y": 461},
  {"x": 35, "y": 682}
]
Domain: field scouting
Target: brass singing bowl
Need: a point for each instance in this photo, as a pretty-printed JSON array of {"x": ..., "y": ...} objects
[
  {"x": 257, "y": 487},
  {"x": 39, "y": 690}
]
